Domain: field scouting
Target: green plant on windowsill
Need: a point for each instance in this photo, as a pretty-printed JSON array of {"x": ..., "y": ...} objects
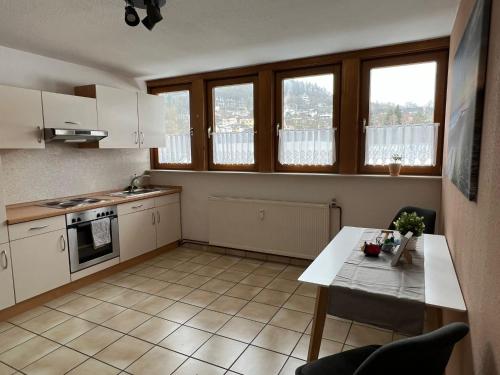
[{"x": 410, "y": 222}]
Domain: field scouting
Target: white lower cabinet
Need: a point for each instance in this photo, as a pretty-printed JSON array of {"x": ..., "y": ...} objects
[
  {"x": 137, "y": 233},
  {"x": 40, "y": 263},
  {"x": 168, "y": 224},
  {"x": 6, "y": 285}
]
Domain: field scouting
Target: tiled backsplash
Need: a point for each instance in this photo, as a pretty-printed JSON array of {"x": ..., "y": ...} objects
[{"x": 62, "y": 170}]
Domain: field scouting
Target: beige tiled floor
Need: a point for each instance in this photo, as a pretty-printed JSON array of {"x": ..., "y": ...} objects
[{"x": 185, "y": 312}]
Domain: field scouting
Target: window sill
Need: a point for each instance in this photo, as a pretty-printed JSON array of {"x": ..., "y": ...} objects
[{"x": 323, "y": 175}]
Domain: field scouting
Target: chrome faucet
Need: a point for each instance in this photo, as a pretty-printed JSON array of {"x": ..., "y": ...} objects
[{"x": 135, "y": 182}]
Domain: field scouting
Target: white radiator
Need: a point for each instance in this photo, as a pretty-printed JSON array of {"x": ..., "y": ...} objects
[{"x": 294, "y": 229}]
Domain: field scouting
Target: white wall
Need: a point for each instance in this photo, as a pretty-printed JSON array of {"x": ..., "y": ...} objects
[
  {"x": 61, "y": 170},
  {"x": 369, "y": 201}
]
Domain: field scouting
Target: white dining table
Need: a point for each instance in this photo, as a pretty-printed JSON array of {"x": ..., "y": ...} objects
[{"x": 442, "y": 289}]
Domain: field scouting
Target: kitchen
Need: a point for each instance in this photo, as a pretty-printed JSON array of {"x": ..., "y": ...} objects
[{"x": 69, "y": 223}]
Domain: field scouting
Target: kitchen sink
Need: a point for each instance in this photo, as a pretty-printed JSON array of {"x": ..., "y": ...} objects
[{"x": 136, "y": 192}]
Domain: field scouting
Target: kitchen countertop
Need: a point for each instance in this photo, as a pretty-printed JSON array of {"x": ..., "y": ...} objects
[{"x": 23, "y": 212}]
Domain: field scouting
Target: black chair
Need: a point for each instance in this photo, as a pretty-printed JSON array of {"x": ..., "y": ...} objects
[
  {"x": 427, "y": 354},
  {"x": 429, "y": 217}
]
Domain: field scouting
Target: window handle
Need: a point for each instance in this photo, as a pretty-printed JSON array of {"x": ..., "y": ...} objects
[
  {"x": 364, "y": 125},
  {"x": 209, "y": 132},
  {"x": 277, "y": 130}
]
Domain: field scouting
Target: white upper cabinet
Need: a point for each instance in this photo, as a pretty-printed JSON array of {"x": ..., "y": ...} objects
[
  {"x": 116, "y": 113},
  {"x": 69, "y": 111},
  {"x": 151, "y": 121},
  {"x": 21, "y": 118}
]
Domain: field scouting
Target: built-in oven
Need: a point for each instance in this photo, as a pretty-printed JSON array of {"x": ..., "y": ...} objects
[{"x": 83, "y": 251}]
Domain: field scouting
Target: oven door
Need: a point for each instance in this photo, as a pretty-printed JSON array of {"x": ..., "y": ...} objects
[{"x": 82, "y": 253}]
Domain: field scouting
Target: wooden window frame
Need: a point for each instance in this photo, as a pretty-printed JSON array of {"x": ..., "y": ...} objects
[
  {"x": 155, "y": 159},
  {"x": 334, "y": 69},
  {"x": 441, "y": 58},
  {"x": 211, "y": 85},
  {"x": 349, "y": 134}
]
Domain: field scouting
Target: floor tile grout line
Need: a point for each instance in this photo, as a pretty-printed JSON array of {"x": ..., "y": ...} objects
[
  {"x": 216, "y": 333},
  {"x": 128, "y": 334}
]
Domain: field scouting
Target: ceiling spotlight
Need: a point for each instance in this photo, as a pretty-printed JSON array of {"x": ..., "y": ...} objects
[
  {"x": 152, "y": 9},
  {"x": 131, "y": 16},
  {"x": 154, "y": 16}
]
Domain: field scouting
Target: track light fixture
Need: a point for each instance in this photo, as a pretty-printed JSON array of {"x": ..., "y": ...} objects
[
  {"x": 152, "y": 10},
  {"x": 131, "y": 16}
]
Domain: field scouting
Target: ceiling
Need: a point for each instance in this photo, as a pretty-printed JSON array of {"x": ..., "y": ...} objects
[{"x": 204, "y": 35}]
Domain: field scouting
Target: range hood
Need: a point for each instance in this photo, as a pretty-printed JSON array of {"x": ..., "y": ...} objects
[{"x": 74, "y": 135}]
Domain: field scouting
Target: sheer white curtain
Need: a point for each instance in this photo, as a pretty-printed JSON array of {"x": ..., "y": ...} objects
[
  {"x": 177, "y": 149},
  {"x": 307, "y": 146},
  {"x": 233, "y": 147},
  {"x": 416, "y": 144}
]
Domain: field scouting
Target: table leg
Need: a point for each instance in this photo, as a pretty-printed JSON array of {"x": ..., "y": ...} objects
[{"x": 318, "y": 323}]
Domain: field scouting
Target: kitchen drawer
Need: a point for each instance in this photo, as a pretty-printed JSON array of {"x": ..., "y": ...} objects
[
  {"x": 143, "y": 204},
  {"x": 166, "y": 199},
  {"x": 35, "y": 227}
]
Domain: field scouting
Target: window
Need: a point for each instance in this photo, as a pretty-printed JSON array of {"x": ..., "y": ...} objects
[
  {"x": 343, "y": 113},
  {"x": 307, "y": 119},
  {"x": 232, "y": 124},
  {"x": 177, "y": 151},
  {"x": 402, "y": 110}
]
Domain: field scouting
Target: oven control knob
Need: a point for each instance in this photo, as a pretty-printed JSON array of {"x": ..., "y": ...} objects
[
  {"x": 79, "y": 219},
  {"x": 111, "y": 212},
  {"x": 98, "y": 215},
  {"x": 73, "y": 220},
  {"x": 107, "y": 213}
]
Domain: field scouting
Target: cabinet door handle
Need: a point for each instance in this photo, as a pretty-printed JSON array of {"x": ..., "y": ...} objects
[
  {"x": 38, "y": 228},
  {"x": 159, "y": 217},
  {"x": 40, "y": 134},
  {"x": 63, "y": 243},
  {"x": 142, "y": 136},
  {"x": 154, "y": 218},
  {"x": 136, "y": 207},
  {"x": 5, "y": 260},
  {"x": 136, "y": 137},
  {"x": 72, "y": 123}
]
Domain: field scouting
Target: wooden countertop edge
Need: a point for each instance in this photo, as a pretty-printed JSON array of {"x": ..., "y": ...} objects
[{"x": 13, "y": 218}]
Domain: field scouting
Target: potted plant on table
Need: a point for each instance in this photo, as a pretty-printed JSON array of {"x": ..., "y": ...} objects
[
  {"x": 410, "y": 222},
  {"x": 395, "y": 165}
]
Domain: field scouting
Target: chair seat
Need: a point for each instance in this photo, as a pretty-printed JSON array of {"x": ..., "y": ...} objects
[{"x": 345, "y": 363}]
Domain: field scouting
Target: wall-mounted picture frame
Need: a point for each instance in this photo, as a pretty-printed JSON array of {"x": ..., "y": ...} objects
[
  {"x": 402, "y": 246},
  {"x": 468, "y": 80}
]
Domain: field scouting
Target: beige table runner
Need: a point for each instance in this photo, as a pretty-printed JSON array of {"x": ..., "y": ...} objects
[{"x": 369, "y": 290}]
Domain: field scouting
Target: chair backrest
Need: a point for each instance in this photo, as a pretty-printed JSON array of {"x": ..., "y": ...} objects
[
  {"x": 429, "y": 217},
  {"x": 425, "y": 354}
]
